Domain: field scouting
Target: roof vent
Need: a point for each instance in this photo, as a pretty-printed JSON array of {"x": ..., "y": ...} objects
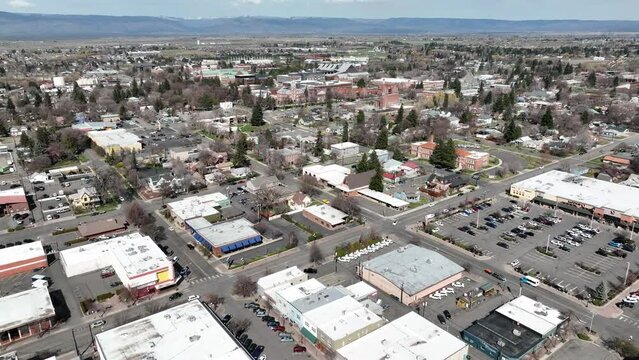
[
  {"x": 516, "y": 332},
  {"x": 194, "y": 338}
]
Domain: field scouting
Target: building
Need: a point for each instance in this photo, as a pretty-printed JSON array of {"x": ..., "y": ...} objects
[
  {"x": 184, "y": 332},
  {"x": 515, "y": 329},
  {"x": 139, "y": 263},
  {"x": 205, "y": 206},
  {"x": 31, "y": 313},
  {"x": 13, "y": 201},
  {"x": 385, "y": 199},
  {"x": 299, "y": 201},
  {"x": 289, "y": 157},
  {"x": 410, "y": 273},
  {"x": 102, "y": 227},
  {"x": 313, "y": 301},
  {"x": 325, "y": 216},
  {"x": 619, "y": 160},
  {"x": 472, "y": 160},
  {"x": 282, "y": 296},
  {"x": 226, "y": 237},
  {"x": 576, "y": 194},
  {"x": 261, "y": 183},
  {"x": 345, "y": 149},
  {"x": 115, "y": 141},
  {"x": 94, "y": 126},
  {"x": 112, "y": 118},
  {"x": 289, "y": 276},
  {"x": 361, "y": 291},
  {"x": 332, "y": 175},
  {"x": 85, "y": 197},
  {"x": 341, "y": 322},
  {"x": 22, "y": 258},
  {"x": 408, "y": 337},
  {"x": 354, "y": 182}
]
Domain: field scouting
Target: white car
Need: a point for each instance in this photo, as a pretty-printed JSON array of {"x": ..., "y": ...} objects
[
  {"x": 344, "y": 259},
  {"x": 434, "y": 297},
  {"x": 441, "y": 293},
  {"x": 515, "y": 263},
  {"x": 394, "y": 222},
  {"x": 171, "y": 228},
  {"x": 448, "y": 290},
  {"x": 631, "y": 300},
  {"x": 573, "y": 243},
  {"x": 463, "y": 214},
  {"x": 439, "y": 223},
  {"x": 430, "y": 216},
  {"x": 458, "y": 284},
  {"x": 193, "y": 297},
  {"x": 98, "y": 323},
  {"x": 436, "y": 230},
  {"x": 557, "y": 242}
]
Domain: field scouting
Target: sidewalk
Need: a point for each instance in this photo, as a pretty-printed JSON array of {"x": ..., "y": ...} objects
[{"x": 610, "y": 310}]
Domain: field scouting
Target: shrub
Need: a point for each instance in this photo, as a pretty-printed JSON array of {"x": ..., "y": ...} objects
[
  {"x": 64, "y": 231},
  {"x": 105, "y": 296},
  {"x": 76, "y": 241},
  {"x": 583, "y": 336}
]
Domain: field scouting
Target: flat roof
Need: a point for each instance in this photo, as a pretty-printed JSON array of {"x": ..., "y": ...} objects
[
  {"x": 226, "y": 232},
  {"x": 25, "y": 307},
  {"x": 318, "y": 299},
  {"x": 585, "y": 190},
  {"x": 20, "y": 253},
  {"x": 500, "y": 332},
  {"x": 298, "y": 291},
  {"x": 342, "y": 317},
  {"x": 280, "y": 277},
  {"x": 384, "y": 198},
  {"x": 408, "y": 337},
  {"x": 327, "y": 213},
  {"x": 532, "y": 314},
  {"x": 119, "y": 137},
  {"x": 184, "y": 332},
  {"x": 101, "y": 227},
  {"x": 361, "y": 290},
  {"x": 344, "y": 145},
  {"x": 12, "y": 196},
  {"x": 413, "y": 267},
  {"x": 193, "y": 207}
]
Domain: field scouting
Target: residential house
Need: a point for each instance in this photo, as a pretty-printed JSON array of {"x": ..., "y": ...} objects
[
  {"x": 85, "y": 197},
  {"x": 619, "y": 160},
  {"x": 261, "y": 183},
  {"x": 16, "y": 131},
  {"x": 289, "y": 157},
  {"x": 299, "y": 201},
  {"x": 325, "y": 216},
  {"x": 354, "y": 182},
  {"x": 155, "y": 183}
]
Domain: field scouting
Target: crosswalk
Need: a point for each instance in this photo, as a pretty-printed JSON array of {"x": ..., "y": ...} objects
[
  {"x": 629, "y": 320},
  {"x": 204, "y": 279}
]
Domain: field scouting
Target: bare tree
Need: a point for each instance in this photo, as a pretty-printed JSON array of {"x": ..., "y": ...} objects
[
  {"x": 137, "y": 216},
  {"x": 291, "y": 239},
  {"x": 215, "y": 300},
  {"x": 315, "y": 254},
  {"x": 244, "y": 286},
  {"x": 347, "y": 204},
  {"x": 310, "y": 186},
  {"x": 266, "y": 198}
]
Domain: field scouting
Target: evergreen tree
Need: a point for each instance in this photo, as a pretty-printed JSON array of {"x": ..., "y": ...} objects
[
  {"x": 26, "y": 141},
  {"x": 412, "y": 118},
  {"x": 4, "y": 129},
  {"x": 382, "y": 140},
  {"x": 444, "y": 154},
  {"x": 11, "y": 108},
  {"x": 615, "y": 82},
  {"x": 373, "y": 161},
  {"x": 135, "y": 91},
  {"x": 329, "y": 104},
  {"x": 481, "y": 88},
  {"x": 158, "y": 105},
  {"x": 37, "y": 99},
  {"x": 239, "y": 157},
  {"x": 457, "y": 88},
  {"x": 383, "y": 124},
  {"x": 362, "y": 165},
  {"x": 345, "y": 132},
  {"x": 377, "y": 182},
  {"x": 257, "y": 117},
  {"x": 318, "y": 149},
  {"x": 77, "y": 95},
  {"x": 546, "y": 120},
  {"x": 47, "y": 100},
  {"x": 118, "y": 94},
  {"x": 122, "y": 112},
  {"x": 399, "y": 119},
  {"x": 498, "y": 105},
  {"x": 489, "y": 98},
  {"x": 585, "y": 117},
  {"x": 445, "y": 105},
  {"x": 592, "y": 79},
  {"x": 512, "y": 131},
  {"x": 360, "y": 119},
  {"x": 465, "y": 117},
  {"x": 397, "y": 154},
  {"x": 601, "y": 292},
  {"x": 164, "y": 86},
  {"x": 361, "y": 83}
]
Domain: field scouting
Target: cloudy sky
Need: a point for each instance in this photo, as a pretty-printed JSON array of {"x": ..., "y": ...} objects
[{"x": 495, "y": 9}]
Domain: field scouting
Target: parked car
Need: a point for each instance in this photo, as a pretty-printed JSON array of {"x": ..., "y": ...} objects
[
  {"x": 194, "y": 297},
  {"x": 503, "y": 244},
  {"x": 175, "y": 296},
  {"x": 310, "y": 270},
  {"x": 226, "y": 319},
  {"x": 441, "y": 318},
  {"x": 299, "y": 349},
  {"x": 98, "y": 323},
  {"x": 250, "y": 305},
  {"x": 447, "y": 314},
  {"x": 498, "y": 276}
]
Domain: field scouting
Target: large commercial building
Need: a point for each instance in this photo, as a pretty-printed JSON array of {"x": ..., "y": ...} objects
[
  {"x": 139, "y": 263},
  {"x": 114, "y": 141},
  {"x": 25, "y": 314},
  {"x": 411, "y": 273},
  {"x": 332, "y": 175},
  {"x": 515, "y": 329},
  {"x": 226, "y": 237},
  {"x": 289, "y": 276},
  {"x": 192, "y": 207},
  {"x": 581, "y": 195},
  {"x": 345, "y": 149},
  {"x": 408, "y": 337},
  {"x": 22, "y": 258},
  {"x": 185, "y": 332},
  {"x": 13, "y": 201}
]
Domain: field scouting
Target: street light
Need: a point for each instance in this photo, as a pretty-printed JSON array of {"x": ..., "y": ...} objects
[
  {"x": 626, "y": 277},
  {"x": 548, "y": 243}
]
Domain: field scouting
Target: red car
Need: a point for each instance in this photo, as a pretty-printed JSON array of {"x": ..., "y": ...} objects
[
  {"x": 279, "y": 328},
  {"x": 299, "y": 349}
]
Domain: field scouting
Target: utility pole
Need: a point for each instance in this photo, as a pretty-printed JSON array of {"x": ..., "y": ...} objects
[
  {"x": 548, "y": 243},
  {"x": 556, "y": 203},
  {"x": 626, "y": 277},
  {"x": 591, "y": 321},
  {"x": 75, "y": 343},
  {"x": 477, "y": 218}
]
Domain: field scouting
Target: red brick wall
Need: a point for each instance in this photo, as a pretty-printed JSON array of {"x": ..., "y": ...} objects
[{"x": 23, "y": 266}]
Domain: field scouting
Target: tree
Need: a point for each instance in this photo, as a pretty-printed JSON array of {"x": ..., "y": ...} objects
[
  {"x": 445, "y": 105},
  {"x": 291, "y": 240},
  {"x": 399, "y": 119},
  {"x": 377, "y": 182},
  {"x": 362, "y": 165},
  {"x": 546, "y": 120},
  {"x": 489, "y": 98},
  {"x": 382, "y": 140},
  {"x": 239, "y": 156},
  {"x": 361, "y": 83},
  {"x": 37, "y": 99},
  {"x": 244, "y": 286},
  {"x": 444, "y": 154},
  {"x": 512, "y": 131},
  {"x": 373, "y": 162},
  {"x": 257, "y": 117},
  {"x": 215, "y": 300},
  {"x": 345, "y": 132},
  {"x": 77, "y": 94},
  {"x": 118, "y": 94},
  {"x": 346, "y": 204},
  {"x": 329, "y": 103},
  {"x": 47, "y": 100},
  {"x": 457, "y": 87},
  {"x": 318, "y": 148},
  {"x": 122, "y": 112},
  {"x": 360, "y": 119},
  {"x": 585, "y": 117},
  {"x": 137, "y": 216},
  {"x": 315, "y": 255},
  {"x": 26, "y": 141},
  {"x": 412, "y": 118},
  {"x": 601, "y": 292},
  {"x": 626, "y": 348},
  {"x": 11, "y": 108},
  {"x": 135, "y": 91},
  {"x": 309, "y": 186},
  {"x": 591, "y": 81},
  {"x": 164, "y": 86},
  {"x": 158, "y": 105}
]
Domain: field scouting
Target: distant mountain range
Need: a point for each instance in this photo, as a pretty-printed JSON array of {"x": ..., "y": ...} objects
[{"x": 18, "y": 26}]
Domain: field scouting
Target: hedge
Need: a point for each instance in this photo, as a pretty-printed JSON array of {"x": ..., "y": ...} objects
[
  {"x": 64, "y": 231},
  {"x": 104, "y": 297},
  {"x": 76, "y": 241}
]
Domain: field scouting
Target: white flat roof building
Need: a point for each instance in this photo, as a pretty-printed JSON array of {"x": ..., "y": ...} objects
[
  {"x": 291, "y": 276},
  {"x": 136, "y": 259},
  {"x": 225, "y": 232},
  {"x": 345, "y": 145},
  {"x": 408, "y": 337},
  {"x": 331, "y": 174},
  {"x": 19, "y": 254},
  {"x": 192, "y": 207},
  {"x": 115, "y": 140},
  {"x": 24, "y": 308},
  {"x": 185, "y": 332},
  {"x": 532, "y": 314},
  {"x": 361, "y": 290},
  {"x": 384, "y": 198},
  {"x": 328, "y": 214},
  {"x": 554, "y": 185},
  {"x": 283, "y": 295}
]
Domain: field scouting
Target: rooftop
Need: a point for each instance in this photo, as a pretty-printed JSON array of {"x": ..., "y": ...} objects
[
  {"x": 342, "y": 317},
  {"x": 384, "y": 198},
  {"x": 185, "y": 332},
  {"x": 117, "y": 137},
  {"x": 192, "y": 207},
  {"x": 280, "y": 277},
  {"x": 408, "y": 337},
  {"x": 344, "y": 145},
  {"x": 597, "y": 193},
  {"x": 101, "y": 227},
  {"x": 361, "y": 290},
  {"x": 26, "y": 307},
  {"x": 224, "y": 233},
  {"x": 501, "y": 332},
  {"x": 532, "y": 314},
  {"x": 12, "y": 196},
  {"x": 327, "y": 213},
  {"x": 298, "y": 291},
  {"x": 413, "y": 267},
  {"x": 318, "y": 299},
  {"x": 19, "y": 253}
]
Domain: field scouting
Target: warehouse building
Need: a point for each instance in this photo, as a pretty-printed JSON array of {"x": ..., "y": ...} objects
[
  {"x": 115, "y": 141},
  {"x": 22, "y": 258},
  {"x": 515, "y": 329},
  {"x": 408, "y": 337},
  {"x": 411, "y": 273},
  {"x": 325, "y": 216},
  {"x": 31, "y": 313},
  {"x": 184, "y": 332},
  {"x": 581, "y": 195},
  {"x": 226, "y": 237},
  {"x": 138, "y": 262}
]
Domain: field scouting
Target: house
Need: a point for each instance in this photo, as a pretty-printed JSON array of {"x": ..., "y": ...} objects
[
  {"x": 325, "y": 216},
  {"x": 113, "y": 118},
  {"x": 615, "y": 131},
  {"x": 425, "y": 149},
  {"x": 289, "y": 157},
  {"x": 354, "y": 182},
  {"x": 345, "y": 149},
  {"x": 408, "y": 197},
  {"x": 619, "y": 160},
  {"x": 410, "y": 168},
  {"x": 85, "y": 197},
  {"x": 261, "y": 183},
  {"x": 155, "y": 183},
  {"x": 299, "y": 201},
  {"x": 16, "y": 131}
]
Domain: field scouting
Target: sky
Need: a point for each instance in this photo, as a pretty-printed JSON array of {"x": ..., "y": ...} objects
[{"x": 493, "y": 9}]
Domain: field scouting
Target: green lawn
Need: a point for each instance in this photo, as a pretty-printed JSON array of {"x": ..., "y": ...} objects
[
  {"x": 64, "y": 163},
  {"x": 422, "y": 201},
  {"x": 246, "y": 128}
]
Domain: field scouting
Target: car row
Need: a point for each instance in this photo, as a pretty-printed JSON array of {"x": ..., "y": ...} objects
[
  {"x": 443, "y": 292},
  {"x": 368, "y": 250}
]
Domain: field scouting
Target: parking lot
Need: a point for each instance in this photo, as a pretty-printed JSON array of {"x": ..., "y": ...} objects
[{"x": 513, "y": 231}]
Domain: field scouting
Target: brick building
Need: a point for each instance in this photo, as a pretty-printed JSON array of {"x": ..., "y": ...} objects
[{"x": 22, "y": 258}]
